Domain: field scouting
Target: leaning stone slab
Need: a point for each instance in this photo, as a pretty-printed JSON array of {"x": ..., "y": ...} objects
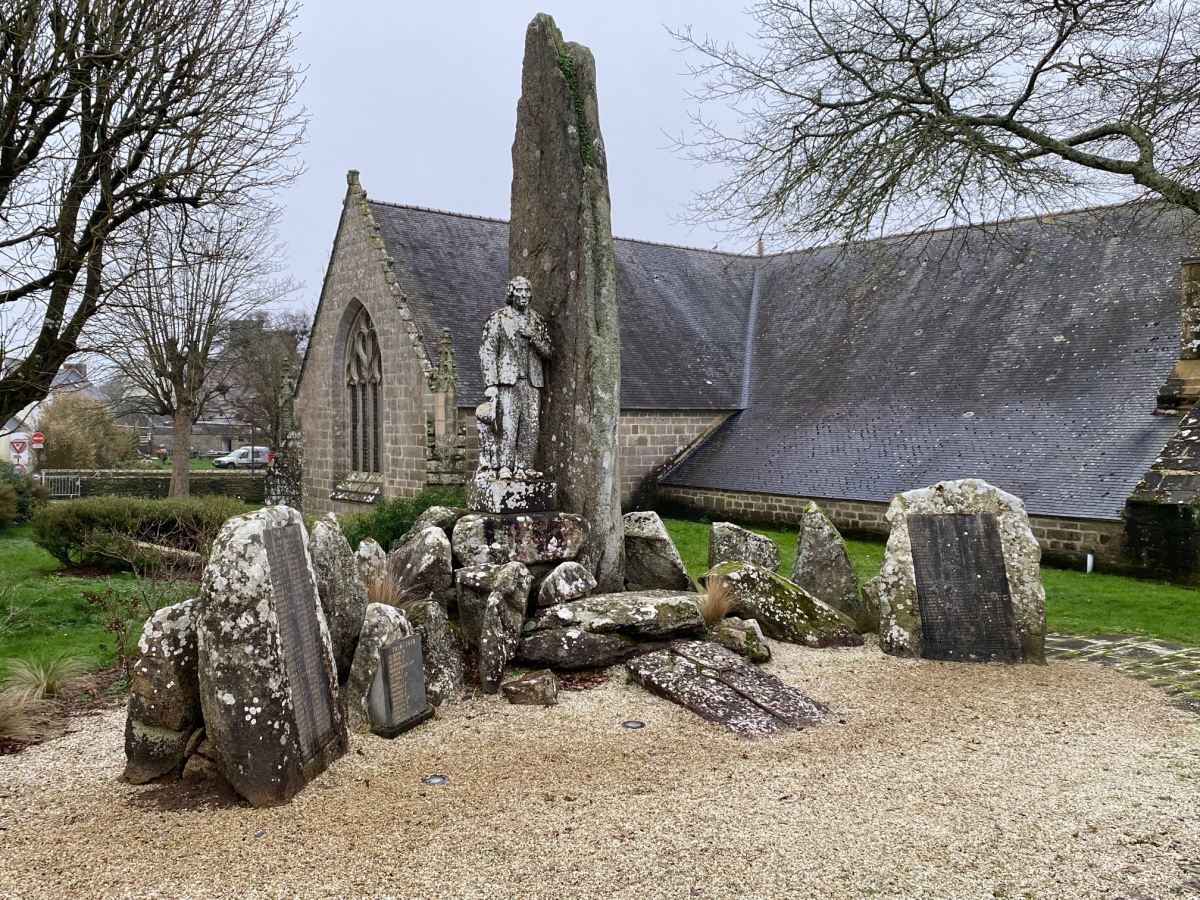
[
  {"x": 372, "y": 562},
  {"x": 720, "y": 686},
  {"x": 164, "y": 696},
  {"x": 343, "y": 594},
  {"x": 476, "y": 584},
  {"x": 568, "y": 581},
  {"x": 651, "y": 558},
  {"x": 533, "y": 538},
  {"x": 422, "y": 567},
  {"x": 729, "y": 543},
  {"x": 785, "y": 611},
  {"x": 268, "y": 680},
  {"x": 381, "y": 625},
  {"x": 822, "y": 567},
  {"x": 574, "y": 648},
  {"x": 538, "y": 688},
  {"x": 642, "y": 615},
  {"x": 973, "y": 615},
  {"x": 744, "y": 637},
  {"x": 443, "y": 653}
]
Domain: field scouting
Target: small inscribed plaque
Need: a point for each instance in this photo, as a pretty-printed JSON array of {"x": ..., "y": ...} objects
[
  {"x": 300, "y": 634},
  {"x": 962, "y": 588},
  {"x": 402, "y": 665}
]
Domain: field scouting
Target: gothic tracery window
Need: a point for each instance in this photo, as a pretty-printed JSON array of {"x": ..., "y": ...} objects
[{"x": 364, "y": 373}]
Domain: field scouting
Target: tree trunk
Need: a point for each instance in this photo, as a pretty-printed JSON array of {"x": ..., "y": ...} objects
[{"x": 179, "y": 456}]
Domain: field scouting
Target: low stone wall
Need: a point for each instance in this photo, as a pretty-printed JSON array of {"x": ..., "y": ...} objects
[
  {"x": 1063, "y": 541},
  {"x": 246, "y": 486}
]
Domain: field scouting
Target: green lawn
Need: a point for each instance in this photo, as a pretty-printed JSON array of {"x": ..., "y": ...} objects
[
  {"x": 196, "y": 465},
  {"x": 1075, "y": 602}
]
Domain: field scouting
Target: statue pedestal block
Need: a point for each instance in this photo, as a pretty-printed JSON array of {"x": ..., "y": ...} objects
[{"x": 510, "y": 495}]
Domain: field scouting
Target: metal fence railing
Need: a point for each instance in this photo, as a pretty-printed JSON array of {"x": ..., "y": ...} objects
[{"x": 62, "y": 487}]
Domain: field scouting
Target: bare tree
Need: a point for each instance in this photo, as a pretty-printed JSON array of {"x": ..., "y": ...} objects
[
  {"x": 167, "y": 327},
  {"x": 859, "y": 117},
  {"x": 261, "y": 355},
  {"x": 110, "y": 110}
]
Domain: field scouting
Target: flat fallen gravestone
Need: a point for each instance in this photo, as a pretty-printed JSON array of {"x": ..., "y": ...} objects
[
  {"x": 962, "y": 588},
  {"x": 397, "y": 699},
  {"x": 722, "y": 687}
]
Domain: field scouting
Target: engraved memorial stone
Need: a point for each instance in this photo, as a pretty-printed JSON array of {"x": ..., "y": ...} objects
[{"x": 397, "y": 699}]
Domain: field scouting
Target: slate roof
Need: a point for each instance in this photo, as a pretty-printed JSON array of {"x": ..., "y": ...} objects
[
  {"x": 683, "y": 311},
  {"x": 1031, "y": 361}
]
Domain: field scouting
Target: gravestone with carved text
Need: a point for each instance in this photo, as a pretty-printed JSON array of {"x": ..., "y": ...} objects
[
  {"x": 397, "y": 699},
  {"x": 268, "y": 680}
]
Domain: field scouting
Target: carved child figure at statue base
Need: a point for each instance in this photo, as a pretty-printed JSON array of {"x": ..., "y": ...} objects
[{"x": 515, "y": 343}]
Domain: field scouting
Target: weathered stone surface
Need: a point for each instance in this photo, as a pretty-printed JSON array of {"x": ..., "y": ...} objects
[
  {"x": 822, "y": 567},
  {"x": 785, "y": 611},
  {"x": 476, "y": 583},
  {"x": 720, "y": 686},
  {"x": 729, "y": 543},
  {"x": 568, "y": 581},
  {"x": 442, "y": 517},
  {"x": 372, "y": 562},
  {"x": 164, "y": 696},
  {"x": 533, "y": 538},
  {"x": 248, "y": 694},
  {"x": 381, "y": 625},
  {"x": 505, "y": 496},
  {"x": 537, "y": 688},
  {"x": 574, "y": 648},
  {"x": 651, "y": 559},
  {"x": 422, "y": 566},
  {"x": 343, "y": 593},
  {"x": 561, "y": 240},
  {"x": 900, "y": 630},
  {"x": 744, "y": 637},
  {"x": 443, "y": 653},
  {"x": 499, "y": 635},
  {"x": 643, "y": 615}
]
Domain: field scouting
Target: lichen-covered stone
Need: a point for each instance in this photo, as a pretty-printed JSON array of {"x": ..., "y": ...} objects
[
  {"x": 422, "y": 567},
  {"x": 568, "y": 581},
  {"x": 499, "y": 635},
  {"x": 372, "y": 562},
  {"x": 784, "y": 610},
  {"x": 537, "y": 688},
  {"x": 744, "y": 637},
  {"x": 442, "y": 517},
  {"x": 574, "y": 648},
  {"x": 443, "y": 653},
  {"x": 381, "y": 625},
  {"x": 164, "y": 696},
  {"x": 560, "y": 238},
  {"x": 481, "y": 539},
  {"x": 475, "y": 584},
  {"x": 822, "y": 567},
  {"x": 652, "y": 560},
  {"x": 642, "y": 615},
  {"x": 729, "y": 543},
  {"x": 900, "y": 630},
  {"x": 245, "y": 687},
  {"x": 343, "y": 594}
]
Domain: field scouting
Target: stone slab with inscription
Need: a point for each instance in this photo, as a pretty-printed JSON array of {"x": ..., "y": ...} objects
[
  {"x": 397, "y": 700},
  {"x": 268, "y": 680},
  {"x": 382, "y": 624},
  {"x": 961, "y": 577}
]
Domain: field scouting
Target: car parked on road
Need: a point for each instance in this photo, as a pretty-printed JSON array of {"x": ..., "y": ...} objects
[{"x": 241, "y": 458}]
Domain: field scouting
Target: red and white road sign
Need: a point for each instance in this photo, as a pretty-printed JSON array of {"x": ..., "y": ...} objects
[
  {"x": 37, "y": 440},
  {"x": 18, "y": 446},
  {"x": 20, "y": 467}
]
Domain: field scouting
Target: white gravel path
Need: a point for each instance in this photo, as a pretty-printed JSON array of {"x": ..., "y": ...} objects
[{"x": 945, "y": 781}]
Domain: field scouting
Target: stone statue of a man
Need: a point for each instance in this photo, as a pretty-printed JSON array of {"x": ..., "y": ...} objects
[{"x": 515, "y": 342}]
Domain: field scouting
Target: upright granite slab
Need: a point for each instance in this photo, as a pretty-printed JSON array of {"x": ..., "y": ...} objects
[
  {"x": 822, "y": 567},
  {"x": 422, "y": 567},
  {"x": 381, "y": 625},
  {"x": 268, "y": 680},
  {"x": 342, "y": 591},
  {"x": 372, "y": 561},
  {"x": 442, "y": 651},
  {"x": 732, "y": 543},
  {"x": 652, "y": 561},
  {"x": 961, "y": 578}
]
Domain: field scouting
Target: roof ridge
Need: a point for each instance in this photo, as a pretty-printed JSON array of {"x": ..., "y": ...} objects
[{"x": 443, "y": 212}]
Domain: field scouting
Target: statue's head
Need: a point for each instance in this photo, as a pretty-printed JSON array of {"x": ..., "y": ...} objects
[{"x": 519, "y": 292}]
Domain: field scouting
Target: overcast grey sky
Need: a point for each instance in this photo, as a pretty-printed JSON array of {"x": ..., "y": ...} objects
[{"x": 421, "y": 98}]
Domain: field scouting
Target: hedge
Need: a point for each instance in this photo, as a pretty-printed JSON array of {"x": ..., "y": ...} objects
[{"x": 392, "y": 519}]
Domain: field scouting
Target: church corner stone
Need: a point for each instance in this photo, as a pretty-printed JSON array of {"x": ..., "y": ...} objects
[{"x": 560, "y": 239}]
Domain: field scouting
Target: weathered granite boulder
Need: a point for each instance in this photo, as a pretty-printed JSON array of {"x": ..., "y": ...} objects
[
  {"x": 744, "y": 637},
  {"x": 785, "y": 611},
  {"x": 372, "y": 562},
  {"x": 443, "y": 517},
  {"x": 537, "y": 688},
  {"x": 422, "y": 567},
  {"x": 382, "y": 624},
  {"x": 642, "y": 615},
  {"x": 574, "y": 648},
  {"x": 268, "y": 681},
  {"x": 499, "y": 635},
  {"x": 729, "y": 543},
  {"x": 568, "y": 581},
  {"x": 443, "y": 653},
  {"x": 560, "y": 238},
  {"x": 343, "y": 594},
  {"x": 651, "y": 558},
  {"x": 164, "y": 696},
  {"x": 533, "y": 538},
  {"x": 900, "y": 626},
  {"x": 476, "y": 583},
  {"x": 822, "y": 567}
]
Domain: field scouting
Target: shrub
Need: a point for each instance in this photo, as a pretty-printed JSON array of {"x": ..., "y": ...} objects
[
  {"x": 8, "y": 506},
  {"x": 83, "y": 434},
  {"x": 17, "y": 722},
  {"x": 20, "y": 494},
  {"x": 392, "y": 519},
  {"x": 55, "y": 678},
  {"x": 125, "y": 611},
  {"x": 100, "y": 530}
]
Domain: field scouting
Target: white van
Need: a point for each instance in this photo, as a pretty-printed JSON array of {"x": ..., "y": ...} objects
[{"x": 241, "y": 458}]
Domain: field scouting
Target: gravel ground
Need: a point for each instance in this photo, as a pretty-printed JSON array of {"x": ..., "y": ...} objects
[{"x": 940, "y": 780}]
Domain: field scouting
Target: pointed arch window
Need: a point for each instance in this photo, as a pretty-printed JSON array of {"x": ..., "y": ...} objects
[{"x": 364, "y": 375}]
